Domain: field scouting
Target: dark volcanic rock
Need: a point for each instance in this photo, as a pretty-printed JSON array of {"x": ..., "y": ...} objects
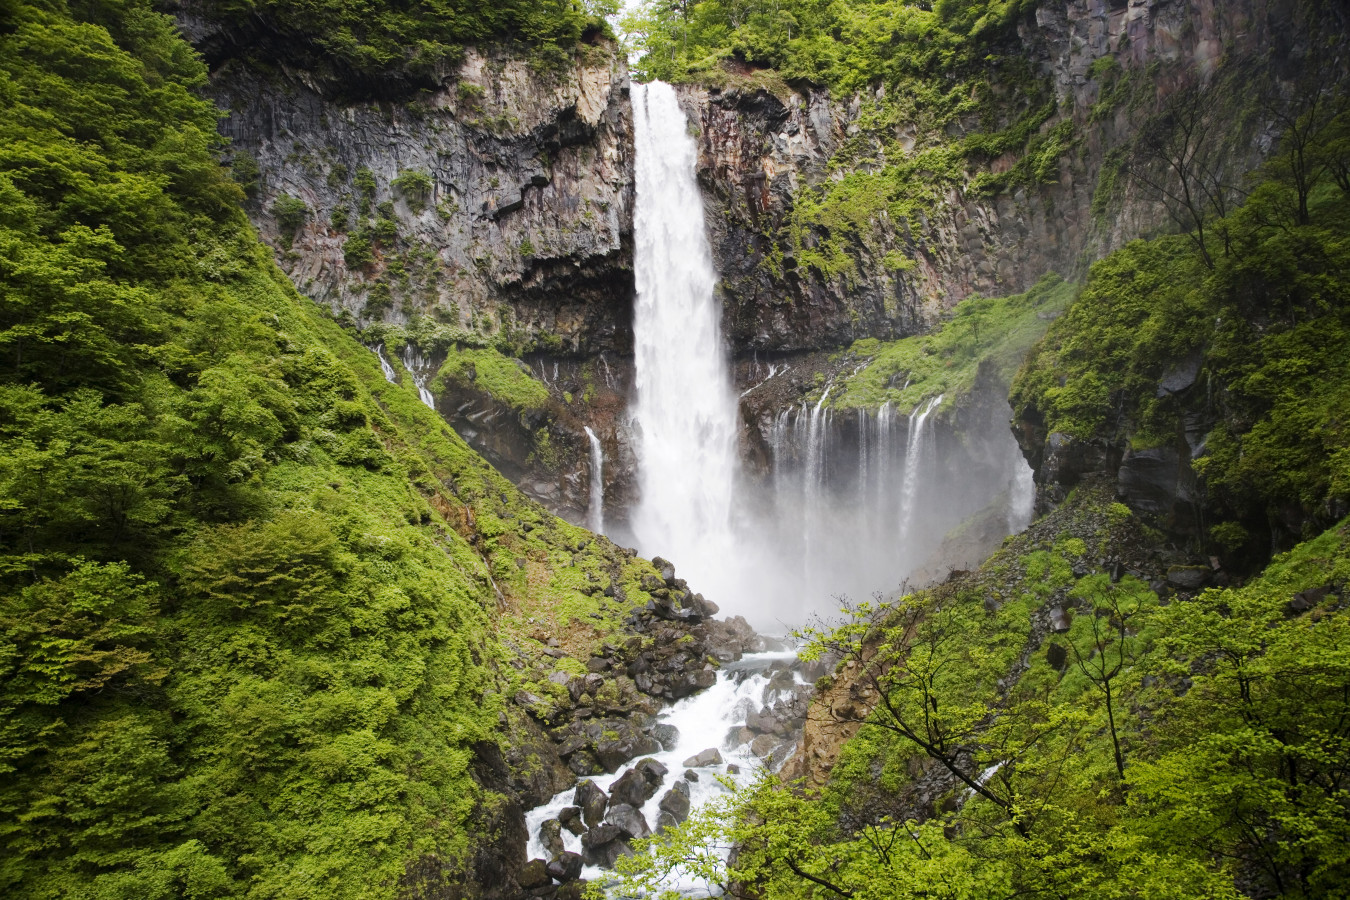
[
  {"x": 570, "y": 817},
  {"x": 676, "y": 801},
  {"x": 550, "y": 835},
  {"x": 629, "y": 788},
  {"x": 668, "y": 736},
  {"x": 628, "y": 820},
  {"x": 592, "y": 802},
  {"x": 565, "y": 867},
  {"x": 533, "y": 874}
]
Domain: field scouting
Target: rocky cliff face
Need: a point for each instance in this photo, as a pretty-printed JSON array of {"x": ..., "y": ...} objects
[
  {"x": 760, "y": 153},
  {"x": 499, "y": 205},
  {"x": 497, "y": 210}
]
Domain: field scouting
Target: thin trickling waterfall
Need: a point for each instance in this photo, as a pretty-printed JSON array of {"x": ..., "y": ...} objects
[
  {"x": 421, "y": 371},
  {"x": 685, "y": 411},
  {"x": 388, "y": 370},
  {"x": 913, "y": 466},
  {"x": 595, "y": 512}
]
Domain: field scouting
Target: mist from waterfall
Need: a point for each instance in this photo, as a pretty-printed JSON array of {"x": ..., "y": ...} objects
[{"x": 853, "y": 501}]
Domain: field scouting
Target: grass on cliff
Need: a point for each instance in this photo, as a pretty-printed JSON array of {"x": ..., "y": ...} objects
[
  {"x": 989, "y": 335},
  {"x": 251, "y": 610},
  {"x": 1143, "y": 748}
]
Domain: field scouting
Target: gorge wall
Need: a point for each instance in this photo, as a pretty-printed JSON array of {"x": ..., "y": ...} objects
[{"x": 496, "y": 210}]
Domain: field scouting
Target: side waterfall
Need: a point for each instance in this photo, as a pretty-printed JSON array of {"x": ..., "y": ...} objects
[
  {"x": 913, "y": 464},
  {"x": 685, "y": 410},
  {"x": 595, "y": 512},
  {"x": 420, "y": 370},
  {"x": 389, "y": 374}
]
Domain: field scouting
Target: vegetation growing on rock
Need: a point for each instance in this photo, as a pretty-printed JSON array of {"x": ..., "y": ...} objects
[
  {"x": 989, "y": 336},
  {"x": 255, "y": 602},
  {"x": 1051, "y": 725}
]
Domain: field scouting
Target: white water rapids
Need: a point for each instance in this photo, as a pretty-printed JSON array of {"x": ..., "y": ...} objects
[{"x": 703, "y": 721}]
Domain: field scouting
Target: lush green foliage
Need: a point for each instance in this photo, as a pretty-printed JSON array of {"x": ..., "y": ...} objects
[
  {"x": 252, "y": 593},
  {"x": 846, "y": 45},
  {"x": 1261, "y": 316},
  {"x": 415, "y": 38},
  {"x": 1180, "y": 750},
  {"x": 982, "y": 336}
]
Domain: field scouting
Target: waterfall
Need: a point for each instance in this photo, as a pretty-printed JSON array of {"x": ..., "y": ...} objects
[
  {"x": 913, "y": 463},
  {"x": 389, "y": 374},
  {"x": 685, "y": 410},
  {"x": 420, "y": 370},
  {"x": 595, "y": 512}
]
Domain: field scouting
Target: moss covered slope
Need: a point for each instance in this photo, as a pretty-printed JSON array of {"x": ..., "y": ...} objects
[{"x": 253, "y": 596}]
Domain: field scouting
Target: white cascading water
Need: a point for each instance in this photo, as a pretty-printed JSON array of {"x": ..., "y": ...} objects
[
  {"x": 913, "y": 466},
  {"x": 389, "y": 374},
  {"x": 685, "y": 410},
  {"x": 421, "y": 371},
  {"x": 595, "y": 512}
]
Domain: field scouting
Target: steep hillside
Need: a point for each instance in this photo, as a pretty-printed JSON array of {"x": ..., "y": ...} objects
[{"x": 268, "y": 627}]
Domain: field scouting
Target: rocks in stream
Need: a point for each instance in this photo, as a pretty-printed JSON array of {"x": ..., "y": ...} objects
[
  {"x": 592, "y": 802},
  {"x": 570, "y": 818},
  {"x": 565, "y": 867},
  {"x": 628, "y": 819},
  {"x": 603, "y": 845},
  {"x": 676, "y": 802},
  {"x": 710, "y": 757},
  {"x": 550, "y": 836}
]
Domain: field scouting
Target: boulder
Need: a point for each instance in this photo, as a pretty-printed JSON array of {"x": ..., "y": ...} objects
[
  {"x": 676, "y": 801},
  {"x": 583, "y": 763},
  {"x": 668, "y": 736},
  {"x": 592, "y": 801},
  {"x": 607, "y": 854},
  {"x": 1188, "y": 578},
  {"x": 570, "y": 817},
  {"x": 565, "y": 867},
  {"x": 617, "y": 751},
  {"x": 534, "y": 874},
  {"x": 629, "y": 788},
  {"x": 653, "y": 773},
  {"x": 686, "y": 683},
  {"x": 599, "y": 835},
  {"x": 710, "y": 757},
  {"x": 1056, "y": 656},
  {"x": 1059, "y": 620},
  {"x": 763, "y": 745},
  {"x": 628, "y": 820},
  {"x": 550, "y": 835},
  {"x": 690, "y": 775},
  {"x": 733, "y": 769},
  {"x": 664, "y": 822},
  {"x": 666, "y": 569}
]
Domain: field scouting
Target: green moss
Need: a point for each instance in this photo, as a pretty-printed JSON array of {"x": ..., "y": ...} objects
[
  {"x": 981, "y": 332},
  {"x": 487, "y": 370}
]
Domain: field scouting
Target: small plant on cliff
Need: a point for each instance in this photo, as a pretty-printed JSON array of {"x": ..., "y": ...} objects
[
  {"x": 415, "y": 189},
  {"x": 290, "y": 213}
]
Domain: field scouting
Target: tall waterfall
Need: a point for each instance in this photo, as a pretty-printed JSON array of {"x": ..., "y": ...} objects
[
  {"x": 595, "y": 512},
  {"x": 855, "y": 501},
  {"x": 685, "y": 410}
]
